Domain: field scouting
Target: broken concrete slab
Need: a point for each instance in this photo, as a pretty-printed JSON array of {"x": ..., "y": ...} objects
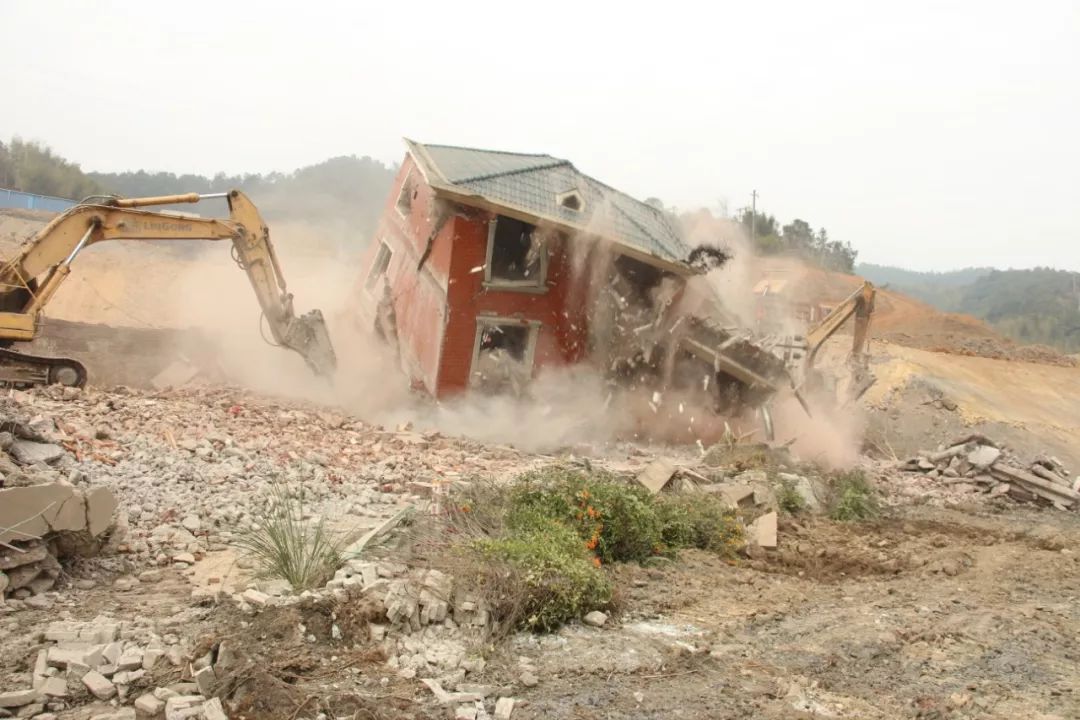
[
  {"x": 28, "y": 452},
  {"x": 736, "y": 495},
  {"x": 30, "y": 511},
  {"x": 762, "y": 532},
  {"x": 31, "y": 553},
  {"x": 101, "y": 503},
  {"x": 504, "y": 708},
  {"x": 205, "y": 679},
  {"x": 149, "y": 706},
  {"x": 99, "y": 685},
  {"x": 181, "y": 707},
  {"x": 55, "y": 687},
  {"x": 18, "y": 698},
  {"x": 657, "y": 474},
  {"x": 213, "y": 710}
]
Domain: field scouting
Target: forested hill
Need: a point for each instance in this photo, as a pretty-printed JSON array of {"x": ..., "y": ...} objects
[{"x": 1032, "y": 306}]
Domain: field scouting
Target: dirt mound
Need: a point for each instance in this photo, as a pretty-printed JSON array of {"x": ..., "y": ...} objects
[
  {"x": 904, "y": 320},
  {"x": 922, "y": 399}
]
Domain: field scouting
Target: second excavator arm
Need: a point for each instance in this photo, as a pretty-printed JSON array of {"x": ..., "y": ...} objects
[
  {"x": 29, "y": 280},
  {"x": 859, "y": 304}
]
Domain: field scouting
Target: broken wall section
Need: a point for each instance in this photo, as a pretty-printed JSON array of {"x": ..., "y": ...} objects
[{"x": 43, "y": 516}]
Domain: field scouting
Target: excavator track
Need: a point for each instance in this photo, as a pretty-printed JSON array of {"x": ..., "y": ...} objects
[{"x": 21, "y": 370}]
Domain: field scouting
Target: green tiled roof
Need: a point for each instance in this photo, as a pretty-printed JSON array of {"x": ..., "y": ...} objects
[{"x": 533, "y": 184}]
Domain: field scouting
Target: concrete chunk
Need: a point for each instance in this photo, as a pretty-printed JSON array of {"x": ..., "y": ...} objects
[
  {"x": 61, "y": 658},
  {"x": 147, "y": 706},
  {"x": 254, "y": 597},
  {"x": 657, "y": 474},
  {"x": 55, "y": 687},
  {"x": 983, "y": 456},
  {"x": 206, "y": 679},
  {"x": 99, "y": 686},
  {"x": 29, "y": 452},
  {"x": 763, "y": 531},
  {"x": 504, "y": 707},
  {"x": 181, "y": 707},
  {"x": 737, "y": 495},
  {"x": 100, "y": 506},
  {"x": 33, "y": 510},
  {"x": 18, "y": 698},
  {"x": 212, "y": 710},
  {"x": 131, "y": 659}
]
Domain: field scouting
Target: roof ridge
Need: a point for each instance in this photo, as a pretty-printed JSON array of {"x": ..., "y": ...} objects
[
  {"x": 518, "y": 171},
  {"x": 488, "y": 150}
]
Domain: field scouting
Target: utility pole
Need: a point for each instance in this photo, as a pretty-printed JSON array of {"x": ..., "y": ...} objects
[{"x": 753, "y": 215}]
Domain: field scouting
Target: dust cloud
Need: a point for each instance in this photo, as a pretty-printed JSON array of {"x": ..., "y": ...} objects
[{"x": 199, "y": 286}]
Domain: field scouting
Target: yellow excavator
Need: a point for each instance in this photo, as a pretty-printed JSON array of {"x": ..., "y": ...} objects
[
  {"x": 860, "y": 305},
  {"x": 30, "y": 279}
]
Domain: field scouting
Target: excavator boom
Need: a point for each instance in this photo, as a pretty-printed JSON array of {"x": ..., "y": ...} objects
[
  {"x": 860, "y": 305},
  {"x": 30, "y": 279}
]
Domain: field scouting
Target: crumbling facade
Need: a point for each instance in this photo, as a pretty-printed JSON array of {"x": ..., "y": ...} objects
[{"x": 487, "y": 266}]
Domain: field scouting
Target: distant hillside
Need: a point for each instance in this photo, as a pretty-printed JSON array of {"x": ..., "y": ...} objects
[
  {"x": 1031, "y": 306},
  {"x": 340, "y": 199}
]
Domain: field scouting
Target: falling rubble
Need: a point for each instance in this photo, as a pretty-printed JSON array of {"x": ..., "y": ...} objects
[{"x": 978, "y": 464}]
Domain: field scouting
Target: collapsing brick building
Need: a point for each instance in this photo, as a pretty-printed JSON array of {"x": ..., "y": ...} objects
[{"x": 487, "y": 266}]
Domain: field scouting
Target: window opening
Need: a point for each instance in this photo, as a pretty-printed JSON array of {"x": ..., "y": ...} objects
[
  {"x": 378, "y": 269},
  {"x": 516, "y": 253}
]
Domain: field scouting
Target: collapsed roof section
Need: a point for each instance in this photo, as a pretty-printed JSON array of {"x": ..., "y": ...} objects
[{"x": 542, "y": 189}]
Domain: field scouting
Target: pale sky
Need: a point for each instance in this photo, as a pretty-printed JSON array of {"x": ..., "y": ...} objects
[{"x": 930, "y": 135}]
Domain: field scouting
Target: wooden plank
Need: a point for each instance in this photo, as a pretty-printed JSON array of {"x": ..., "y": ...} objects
[{"x": 1044, "y": 488}]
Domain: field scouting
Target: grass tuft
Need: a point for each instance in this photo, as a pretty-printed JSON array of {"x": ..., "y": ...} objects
[{"x": 284, "y": 544}]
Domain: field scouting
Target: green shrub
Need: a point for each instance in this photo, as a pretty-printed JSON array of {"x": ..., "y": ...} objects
[
  {"x": 700, "y": 521},
  {"x": 851, "y": 497},
  {"x": 542, "y": 577},
  {"x": 788, "y": 497},
  {"x": 616, "y": 520}
]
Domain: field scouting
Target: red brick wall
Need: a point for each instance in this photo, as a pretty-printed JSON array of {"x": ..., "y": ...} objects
[
  {"x": 419, "y": 297},
  {"x": 436, "y": 308},
  {"x": 562, "y": 335}
]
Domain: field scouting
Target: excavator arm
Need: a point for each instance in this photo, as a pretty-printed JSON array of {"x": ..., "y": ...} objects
[
  {"x": 30, "y": 279},
  {"x": 860, "y": 305}
]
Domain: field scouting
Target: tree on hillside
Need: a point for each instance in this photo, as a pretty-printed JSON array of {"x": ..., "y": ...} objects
[
  {"x": 799, "y": 239},
  {"x": 32, "y": 167}
]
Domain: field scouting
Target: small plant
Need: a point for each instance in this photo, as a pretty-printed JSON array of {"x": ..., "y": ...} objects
[
  {"x": 541, "y": 578},
  {"x": 851, "y": 497},
  {"x": 788, "y": 497},
  {"x": 700, "y": 521},
  {"x": 615, "y": 520},
  {"x": 284, "y": 544}
]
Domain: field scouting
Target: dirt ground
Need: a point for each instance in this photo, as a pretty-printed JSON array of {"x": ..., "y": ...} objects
[{"x": 927, "y": 613}]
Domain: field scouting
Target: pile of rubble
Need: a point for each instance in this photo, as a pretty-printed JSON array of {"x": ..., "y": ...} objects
[
  {"x": 43, "y": 515},
  {"x": 99, "y": 660},
  {"x": 977, "y": 464}
]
